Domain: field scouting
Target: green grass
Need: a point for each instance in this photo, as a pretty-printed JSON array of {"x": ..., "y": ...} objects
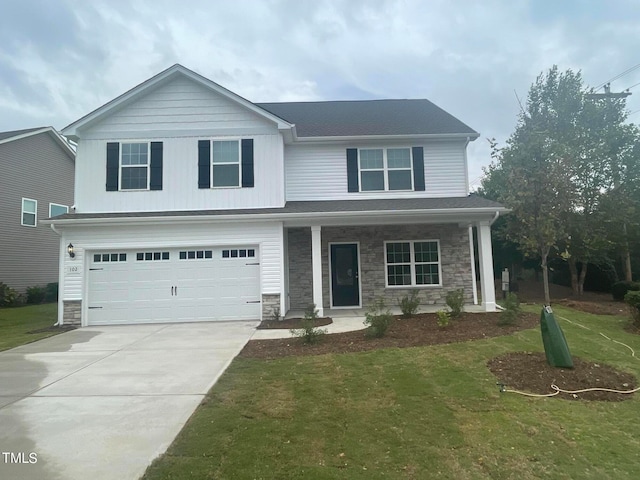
[
  {"x": 16, "y": 322},
  {"x": 428, "y": 412}
]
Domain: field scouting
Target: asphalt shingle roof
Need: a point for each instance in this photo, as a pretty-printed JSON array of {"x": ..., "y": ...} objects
[
  {"x": 375, "y": 205},
  {"x": 15, "y": 133},
  {"x": 368, "y": 117}
]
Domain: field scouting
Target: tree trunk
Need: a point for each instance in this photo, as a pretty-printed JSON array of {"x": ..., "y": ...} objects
[
  {"x": 583, "y": 275},
  {"x": 626, "y": 255},
  {"x": 545, "y": 278},
  {"x": 573, "y": 268}
]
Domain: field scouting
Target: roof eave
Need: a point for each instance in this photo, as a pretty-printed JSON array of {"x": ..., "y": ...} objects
[
  {"x": 351, "y": 138},
  {"x": 52, "y": 132}
]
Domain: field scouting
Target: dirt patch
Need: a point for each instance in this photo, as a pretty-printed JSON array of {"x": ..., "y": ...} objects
[
  {"x": 604, "y": 307},
  {"x": 290, "y": 323},
  {"x": 417, "y": 331},
  {"x": 530, "y": 372},
  {"x": 60, "y": 329}
]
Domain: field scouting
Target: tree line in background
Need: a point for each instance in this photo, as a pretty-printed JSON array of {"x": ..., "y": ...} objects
[{"x": 570, "y": 173}]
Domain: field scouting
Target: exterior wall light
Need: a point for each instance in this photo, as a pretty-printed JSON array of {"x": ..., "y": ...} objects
[{"x": 70, "y": 250}]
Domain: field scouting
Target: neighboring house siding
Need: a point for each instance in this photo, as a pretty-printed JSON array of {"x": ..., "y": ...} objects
[
  {"x": 180, "y": 179},
  {"x": 35, "y": 167},
  {"x": 319, "y": 171},
  {"x": 181, "y": 105},
  {"x": 269, "y": 237}
]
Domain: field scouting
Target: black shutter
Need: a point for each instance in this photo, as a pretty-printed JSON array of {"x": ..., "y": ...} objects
[
  {"x": 113, "y": 166},
  {"x": 204, "y": 164},
  {"x": 418, "y": 168},
  {"x": 156, "y": 166},
  {"x": 247, "y": 162},
  {"x": 352, "y": 170}
]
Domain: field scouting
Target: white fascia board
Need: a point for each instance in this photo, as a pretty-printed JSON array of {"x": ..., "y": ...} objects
[
  {"x": 360, "y": 138},
  {"x": 72, "y": 130},
  {"x": 51, "y": 131},
  {"x": 374, "y": 216}
]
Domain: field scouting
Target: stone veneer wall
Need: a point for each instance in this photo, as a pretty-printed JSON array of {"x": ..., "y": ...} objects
[
  {"x": 300, "y": 275},
  {"x": 269, "y": 303},
  {"x": 72, "y": 312}
]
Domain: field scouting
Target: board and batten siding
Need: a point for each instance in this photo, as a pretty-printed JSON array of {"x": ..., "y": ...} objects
[
  {"x": 180, "y": 179},
  {"x": 179, "y": 105},
  {"x": 267, "y": 235},
  {"x": 319, "y": 171},
  {"x": 34, "y": 167}
]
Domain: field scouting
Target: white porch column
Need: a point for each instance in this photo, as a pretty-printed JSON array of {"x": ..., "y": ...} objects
[
  {"x": 486, "y": 267},
  {"x": 316, "y": 267}
]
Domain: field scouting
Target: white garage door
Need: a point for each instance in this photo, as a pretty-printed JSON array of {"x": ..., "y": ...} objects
[{"x": 174, "y": 285}]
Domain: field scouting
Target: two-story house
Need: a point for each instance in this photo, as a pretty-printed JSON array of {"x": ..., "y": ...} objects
[
  {"x": 36, "y": 182},
  {"x": 195, "y": 204}
]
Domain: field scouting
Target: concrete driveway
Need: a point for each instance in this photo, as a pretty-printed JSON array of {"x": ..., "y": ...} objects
[{"x": 103, "y": 402}]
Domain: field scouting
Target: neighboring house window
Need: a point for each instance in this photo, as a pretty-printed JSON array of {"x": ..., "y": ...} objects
[
  {"x": 385, "y": 169},
  {"x": 29, "y": 212},
  {"x": 413, "y": 263},
  {"x": 55, "y": 209},
  {"x": 225, "y": 159},
  {"x": 134, "y": 166}
]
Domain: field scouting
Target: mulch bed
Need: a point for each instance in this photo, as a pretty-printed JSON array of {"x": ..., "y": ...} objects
[
  {"x": 603, "y": 307},
  {"x": 413, "y": 332},
  {"x": 290, "y": 323},
  {"x": 530, "y": 372}
]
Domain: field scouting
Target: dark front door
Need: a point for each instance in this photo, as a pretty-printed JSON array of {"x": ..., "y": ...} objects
[{"x": 345, "y": 287}]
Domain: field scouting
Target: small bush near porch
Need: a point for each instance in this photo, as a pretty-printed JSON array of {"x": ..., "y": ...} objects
[{"x": 410, "y": 413}]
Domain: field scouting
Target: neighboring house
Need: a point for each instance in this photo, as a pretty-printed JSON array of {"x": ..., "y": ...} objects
[
  {"x": 193, "y": 204},
  {"x": 36, "y": 182}
]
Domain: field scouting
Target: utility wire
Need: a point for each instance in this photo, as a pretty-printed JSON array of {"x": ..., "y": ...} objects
[
  {"x": 629, "y": 70},
  {"x": 634, "y": 85}
]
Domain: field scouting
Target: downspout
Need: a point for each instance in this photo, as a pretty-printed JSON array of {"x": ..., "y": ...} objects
[
  {"x": 495, "y": 218},
  {"x": 60, "y": 268}
]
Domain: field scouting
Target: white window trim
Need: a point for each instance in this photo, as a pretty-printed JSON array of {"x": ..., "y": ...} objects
[
  {"x": 57, "y": 205},
  {"x": 22, "y": 212},
  {"x": 413, "y": 264},
  {"x": 148, "y": 165},
  {"x": 239, "y": 162},
  {"x": 385, "y": 169}
]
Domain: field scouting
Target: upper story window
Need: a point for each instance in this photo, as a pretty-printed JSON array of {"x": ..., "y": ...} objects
[
  {"x": 225, "y": 160},
  {"x": 55, "y": 209},
  {"x": 390, "y": 169},
  {"x": 29, "y": 216},
  {"x": 385, "y": 169},
  {"x": 134, "y": 166}
]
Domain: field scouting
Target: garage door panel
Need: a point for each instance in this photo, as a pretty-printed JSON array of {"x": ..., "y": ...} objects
[{"x": 173, "y": 285}]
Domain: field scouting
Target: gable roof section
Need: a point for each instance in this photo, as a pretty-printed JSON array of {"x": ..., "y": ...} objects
[
  {"x": 369, "y": 117},
  {"x": 6, "y": 137},
  {"x": 156, "y": 81}
]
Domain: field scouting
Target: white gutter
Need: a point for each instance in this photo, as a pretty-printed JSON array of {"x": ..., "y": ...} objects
[
  {"x": 269, "y": 216},
  {"x": 433, "y": 136}
]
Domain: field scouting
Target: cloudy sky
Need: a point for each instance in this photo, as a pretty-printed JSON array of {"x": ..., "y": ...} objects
[{"x": 60, "y": 59}]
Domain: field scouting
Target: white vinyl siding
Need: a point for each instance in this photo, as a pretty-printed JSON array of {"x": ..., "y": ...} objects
[
  {"x": 29, "y": 214},
  {"x": 55, "y": 209},
  {"x": 181, "y": 105},
  {"x": 180, "y": 180},
  {"x": 319, "y": 171}
]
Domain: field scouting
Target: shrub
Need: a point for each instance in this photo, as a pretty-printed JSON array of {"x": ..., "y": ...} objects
[
  {"x": 632, "y": 299},
  {"x": 511, "y": 310},
  {"x": 377, "y": 318},
  {"x": 51, "y": 292},
  {"x": 409, "y": 304},
  {"x": 8, "y": 296},
  {"x": 620, "y": 289},
  {"x": 308, "y": 332},
  {"x": 35, "y": 295},
  {"x": 311, "y": 312},
  {"x": 455, "y": 301},
  {"x": 443, "y": 318}
]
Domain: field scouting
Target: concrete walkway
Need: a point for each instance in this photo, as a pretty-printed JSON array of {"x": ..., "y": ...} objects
[{"x": 103, "y": 402}]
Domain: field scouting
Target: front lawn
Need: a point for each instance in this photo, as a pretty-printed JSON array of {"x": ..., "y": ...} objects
[
  {"x": 16, "y": 323},
  {"x": 410, "y": 413}
]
